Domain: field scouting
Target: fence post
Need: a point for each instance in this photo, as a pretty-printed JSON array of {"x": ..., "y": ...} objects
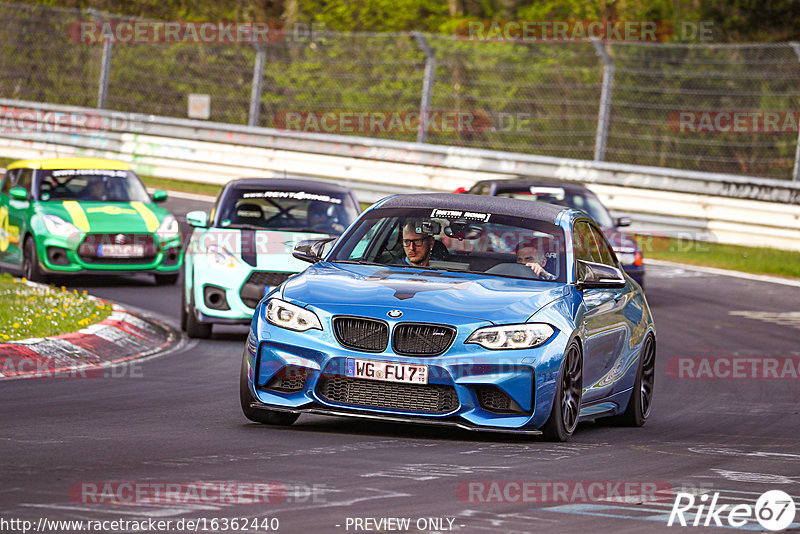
[
  {"x": 258, "y": 84},
  {"x": 427, "y": 86},
  {"x": 604, "y": 113},
  {"x": 796, "y": 171},
  {"x": 105, "y": 64}
]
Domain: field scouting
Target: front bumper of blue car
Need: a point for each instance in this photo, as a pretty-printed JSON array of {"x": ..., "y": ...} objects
[{"x": 467, "y": 386}]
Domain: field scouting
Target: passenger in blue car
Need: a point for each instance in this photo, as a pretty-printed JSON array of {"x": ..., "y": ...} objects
[
  {"x": 528, "y": 254},
  {"x": 417, "y": 247}
]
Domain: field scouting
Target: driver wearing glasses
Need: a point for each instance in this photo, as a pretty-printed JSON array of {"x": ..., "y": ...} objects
[{"x": 417, "y": 246}]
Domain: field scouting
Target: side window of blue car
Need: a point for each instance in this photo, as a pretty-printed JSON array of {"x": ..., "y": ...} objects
[
  {"x": 607, "y": 256},
  {"x": 584, "y": 243}
]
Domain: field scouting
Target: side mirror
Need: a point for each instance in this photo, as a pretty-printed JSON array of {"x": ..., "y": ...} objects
[
  {"x": 159, "y": 195},
  {"x": 623, "y": 221},
  {"x": 311, "y": 250},
  {"x": 598, "y": 276},
  {"x": 198, "y": 219},
  {"x": 18, "y": 193}
]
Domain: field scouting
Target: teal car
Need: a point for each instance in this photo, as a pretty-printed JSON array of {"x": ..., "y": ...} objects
[
  {"x": 244, "y": 247},
  {"x": 65, "y": 216}
]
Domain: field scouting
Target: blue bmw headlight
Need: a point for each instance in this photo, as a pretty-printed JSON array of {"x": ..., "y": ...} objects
[
  {"x": 285, "y": 315},
  {"x": 512, "y": 336}
]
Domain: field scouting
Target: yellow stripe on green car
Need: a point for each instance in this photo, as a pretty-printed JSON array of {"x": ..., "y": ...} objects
[
  {"x": 78, "y": 216},
  {"x": 150, "y": 219}
]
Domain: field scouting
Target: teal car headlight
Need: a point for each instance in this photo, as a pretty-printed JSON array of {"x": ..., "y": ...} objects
[
  {"x": 168, "y": 228},
  {"x": 58, "y": 226},
  {"x": 285, "y": 315},
  {"x": 512, "y": 336},
  {"x": 222, "y": 259}
]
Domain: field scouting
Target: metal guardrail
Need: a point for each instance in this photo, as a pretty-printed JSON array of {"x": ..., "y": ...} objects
[{"x": 725, "y": 208}]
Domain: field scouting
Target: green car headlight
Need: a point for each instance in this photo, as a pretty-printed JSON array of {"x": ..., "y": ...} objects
[
  {"x": 58, "y": 226},
  {"x": 285, "y": 315},
  {"x": 512, "y": 336},
  {"x": 168, "y": 228}
]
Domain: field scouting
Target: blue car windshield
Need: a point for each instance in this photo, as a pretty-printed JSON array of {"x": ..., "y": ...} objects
[
  {"x": 285, "y": 210},
  {"x": 485, "y": 243},
  {"x": 102, "y": 185}
]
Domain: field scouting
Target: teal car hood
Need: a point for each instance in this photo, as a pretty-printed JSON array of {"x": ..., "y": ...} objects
[{"x": 263, "y": 250}]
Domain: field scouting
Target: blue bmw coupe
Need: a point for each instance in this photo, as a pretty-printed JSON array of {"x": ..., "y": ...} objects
[{"x": 479, "y": 312}]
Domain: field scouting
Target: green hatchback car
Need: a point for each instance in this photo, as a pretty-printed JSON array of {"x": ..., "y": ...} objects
[{"x": 84, "y": 215}]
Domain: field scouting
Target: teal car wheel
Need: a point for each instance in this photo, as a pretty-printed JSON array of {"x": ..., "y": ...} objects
[{"x": 194, "y": 328}]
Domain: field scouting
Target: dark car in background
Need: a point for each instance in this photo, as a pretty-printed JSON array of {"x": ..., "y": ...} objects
[{"x": 572, "y": 195}]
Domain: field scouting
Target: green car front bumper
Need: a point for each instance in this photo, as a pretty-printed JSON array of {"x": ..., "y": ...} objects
[{"x": 82, "y": 254}]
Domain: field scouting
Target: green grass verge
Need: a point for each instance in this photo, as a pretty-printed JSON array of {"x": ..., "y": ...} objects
[
  {"x": 734, "y": 257},
  {"x": 27, "y": 311},
  {"x": 180, "y": 185}
]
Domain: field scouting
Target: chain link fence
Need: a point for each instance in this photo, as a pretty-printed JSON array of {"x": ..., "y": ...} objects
[{"x": 721, "y": 108}]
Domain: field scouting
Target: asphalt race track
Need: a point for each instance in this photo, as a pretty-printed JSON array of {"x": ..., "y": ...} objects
[{"x": 176, "y": 419}]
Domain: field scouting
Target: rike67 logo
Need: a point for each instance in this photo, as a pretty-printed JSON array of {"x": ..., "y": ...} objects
[{"x": 774, "y": 510}]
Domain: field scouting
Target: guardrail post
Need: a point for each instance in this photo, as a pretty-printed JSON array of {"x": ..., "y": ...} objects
[
  {"x": 604, "y": 113},
  {"x": 258, "y": 84},
  {"x": 427, "y": 86},
  {"x": 105, "y": 64},
  {"x": 796, "y": 171}
]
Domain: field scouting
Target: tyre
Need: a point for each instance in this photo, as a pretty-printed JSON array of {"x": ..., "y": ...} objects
[
  {"x": 194, "y": 328},
  {"x": 166, "y": 279},
  {"x": 258, "y": 415},
  {"x": 183, "y": 309},
  {"x": 567, "y": 399},
  {"x": 641, "y": 402},
  {"x": 30, "y": 262}
]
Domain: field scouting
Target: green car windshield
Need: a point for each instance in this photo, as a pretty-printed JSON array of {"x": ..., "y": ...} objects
[
  {"x": 92, "y": 184},
  {"x": 287, "y": 210}
]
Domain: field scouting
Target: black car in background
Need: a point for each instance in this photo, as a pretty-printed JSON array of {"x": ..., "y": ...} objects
[{"x": 576, "y": 196}]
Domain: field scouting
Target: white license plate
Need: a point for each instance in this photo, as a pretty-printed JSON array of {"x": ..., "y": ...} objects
[
  {"x": 387, "y": 371},
  {"x": 120, "y": 251}
]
